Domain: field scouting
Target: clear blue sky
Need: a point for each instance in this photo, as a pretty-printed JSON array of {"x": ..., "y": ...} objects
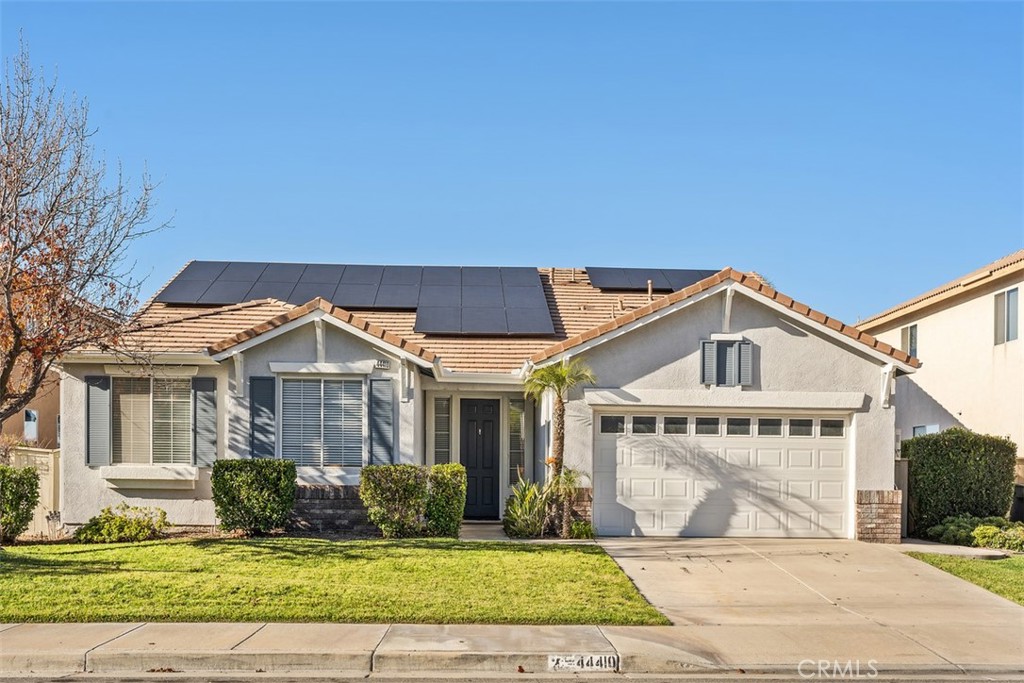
[{"x": 854, "y": 153}]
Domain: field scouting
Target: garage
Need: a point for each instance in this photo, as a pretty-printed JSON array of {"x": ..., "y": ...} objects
[{"x": 713, "y": 474}]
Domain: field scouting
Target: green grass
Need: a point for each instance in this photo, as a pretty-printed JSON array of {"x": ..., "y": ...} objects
[
  {"x": 302, "y": 579},
  {"x": 1002, "y": 577}
]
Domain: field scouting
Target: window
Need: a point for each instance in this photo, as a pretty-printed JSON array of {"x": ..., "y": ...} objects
[
  {"x": 737, "y": 426},
  {"x": 151, "y": 419},
  {"x": 676, "y": 425},
  {"x": 1006, "y": 316},
  {"x": 31, "y": 426},
  {"x": 908, "y": 340},
  {"x": 516, "y": 439},
  {"x": 769, "y": 426},
  {"x": 613, "y": 424},
  {"x": 442, "y": 430},
  {"x": 726, "y": 363},
  {"x": 801, "y": 427},
  {"x": 707, "y": 426},
  {"x": 833, "y": 427},
  {"x": 645, "y": 424},
  {"x": 921, "y": 430},
  {"x": 322, "y": 422}
]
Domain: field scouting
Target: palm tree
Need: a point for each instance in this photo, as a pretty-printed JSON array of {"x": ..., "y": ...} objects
[{"x": 558, "y": 379}]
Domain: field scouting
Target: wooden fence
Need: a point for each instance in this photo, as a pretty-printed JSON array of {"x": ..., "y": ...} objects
[{"x": 46, "y": 520}]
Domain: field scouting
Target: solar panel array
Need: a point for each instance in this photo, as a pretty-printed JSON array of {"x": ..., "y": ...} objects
[
  {"x": 635, "y": 279},
  {"x": 447, "y": 299}
]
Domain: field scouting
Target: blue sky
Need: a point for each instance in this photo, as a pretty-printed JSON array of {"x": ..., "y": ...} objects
[{"x": 854, "y": 153}]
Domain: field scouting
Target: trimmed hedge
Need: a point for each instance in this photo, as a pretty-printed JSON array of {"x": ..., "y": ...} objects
[
  {"x": 446, "y": 499},
  {"x": 959, "y": 472},
  {"x": 395, "y": 497},
  {"x": 19, "y": 495},
  {"x": 253, "y": 496}
]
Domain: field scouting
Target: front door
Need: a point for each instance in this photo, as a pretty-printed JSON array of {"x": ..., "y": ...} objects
[{"x": 479, "y": 447}]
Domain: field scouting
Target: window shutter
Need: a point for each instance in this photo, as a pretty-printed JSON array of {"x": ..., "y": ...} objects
[
  {"x": 442, "y": 430},
  {"x": 97, "y": 417},
  {"x": 746, "y": 363},
  {"x": 204, "y": 418},
  {"x": 707, "y": 362},
  {"x": 262, "y": 416},
  {"x": 343, "y": 423},
  {"x": 382, "y": 422},
  {"x": 726, "y": 367}
]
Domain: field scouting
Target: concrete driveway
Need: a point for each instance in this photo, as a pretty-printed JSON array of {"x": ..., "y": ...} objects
[{"x": 750, "y": 601}]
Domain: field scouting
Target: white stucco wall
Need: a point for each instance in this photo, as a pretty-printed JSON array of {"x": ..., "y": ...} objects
[
  {"x": 965, "y": 378},
  {"x": 789, "y": 357}
]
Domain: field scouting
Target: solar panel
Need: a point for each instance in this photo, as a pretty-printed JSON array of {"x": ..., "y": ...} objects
[
  {"x": 517, "y": 277},
  {"x": 438, "y": 320},
  {"x": 183, "y": 291},
  {"x": 281, "y": 291},
  {"x": 354, "y": 295},
  {"x": 440, "y": 295},
  {"x": 638, "y": 278},
  {"x": 608, "y": 278},
  {"x": 681, "y": 279},
  {"x": 477, "y": 275},
  {"x": 282, "y": 272},
  {"x": 225, "y": 292},
  {"x": 323, "y": 273},
  {"x": 525, "y": 297},
  {"x": 397, "y": 296},
  {"x": 635, "y": 279},
  {"x": 202, "y": 270},
  {"x": 305, "y": 292},
  {"x": 402, "y": 275},
  {"x": 442, "y": 275},
  {"x": 529, "y": 321},
  {"x": 484, "y": 321},
  {"x": 241, "y": 271},
  {"x": 483, "y": 296},
  {"x": 362, "y": 275}
]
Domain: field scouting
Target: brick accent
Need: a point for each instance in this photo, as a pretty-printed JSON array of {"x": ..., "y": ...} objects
[
  {"x": 878, "y": 516},
  {"x": 583, "y": 506},
  {"x": 321, "y": 508}
]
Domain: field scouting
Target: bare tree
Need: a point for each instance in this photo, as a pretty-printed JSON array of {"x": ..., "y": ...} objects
[{"x": 65, "y": 228}]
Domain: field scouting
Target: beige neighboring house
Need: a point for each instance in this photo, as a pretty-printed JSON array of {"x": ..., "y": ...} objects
[
  {"x": 967, "y": 335},
  {"x": 38, "y": 425}
]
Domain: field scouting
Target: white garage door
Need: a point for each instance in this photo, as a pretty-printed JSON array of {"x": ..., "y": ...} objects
[{"x": 721, "y": 475}]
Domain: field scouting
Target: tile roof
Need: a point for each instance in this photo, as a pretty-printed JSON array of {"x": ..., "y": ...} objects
[
  {"x": 579, "y": 311},
  {"x": 1006, "y": 266}
]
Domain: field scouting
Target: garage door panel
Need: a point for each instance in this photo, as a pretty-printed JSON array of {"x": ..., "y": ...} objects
[{"x": 671, "y": 485}]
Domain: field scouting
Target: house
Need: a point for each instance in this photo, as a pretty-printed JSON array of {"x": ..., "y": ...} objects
[
  {"x": 38, "y": 424},
  {"x": 967, "y": 335},
  {"x": 722, "y": 408}
]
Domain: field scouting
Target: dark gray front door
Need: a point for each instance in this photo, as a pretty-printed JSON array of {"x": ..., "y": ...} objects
[{"x": 479, "y": 447}]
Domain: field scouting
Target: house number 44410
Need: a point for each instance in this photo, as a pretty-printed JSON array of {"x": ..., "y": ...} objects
[{"x": 602, "y": 663}]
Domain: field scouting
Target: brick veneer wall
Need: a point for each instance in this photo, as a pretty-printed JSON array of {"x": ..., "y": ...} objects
[
  {"x": 878, "y": 516},
  {"x": 583, "y": 506},
  {"x": 321, "y": 508}
]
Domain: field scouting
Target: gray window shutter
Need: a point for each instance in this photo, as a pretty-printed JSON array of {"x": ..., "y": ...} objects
[
  {"x": 262, "y": 416},
  {"x": 382, "y": 422},
  {"x": 726, "y": 366},
  {"x": 707, "y": 362},
  {"x": 97, "y": 418},
  {"x": 746, "y": 363},
  {"x": 204, "y": 421}
]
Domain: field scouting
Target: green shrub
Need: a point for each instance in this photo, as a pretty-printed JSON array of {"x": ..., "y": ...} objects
[
  {"x": 123, "y": 524},
  {"x": 19, "y": 495},
  {"x": 253, "y": 496},
  {"x": 526, "y": 510},
  {"x": 959, "y": 472},
  {"x": 446, "y": 500},
  {"x": 985, "y": 532},
  {"x": 581, "y": 528},
  {"x": 1009, "y": 538},
  {"x": 395, "y": 497}
]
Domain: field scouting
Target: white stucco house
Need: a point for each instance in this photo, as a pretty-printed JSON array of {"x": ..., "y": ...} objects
[
  {"x": 966, "y": 334},
  {"x": 722, "y": 407}
]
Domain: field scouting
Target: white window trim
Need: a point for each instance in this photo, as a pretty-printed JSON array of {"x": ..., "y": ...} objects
[
  {"x": 721, "y": 423},
  {"x": 750, "y": 426},
  {"x": 789, "y": 433},
  {"x": 782, "y": 427}
]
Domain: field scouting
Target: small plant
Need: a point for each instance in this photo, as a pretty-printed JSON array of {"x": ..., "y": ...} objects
[
  {"x": 526, "y": 510},
  {"x": 395, "y": 497},
  {"x": 565, "y": 487},
  {"x": 581, "y": 528},
  {"x": 446, "y": 500},
  {"x": 253, "y": 496},
  {"x": 1009, "y": 538},
  {"x": 123, "y": 524},
  {"x": 19, "y": 495}
]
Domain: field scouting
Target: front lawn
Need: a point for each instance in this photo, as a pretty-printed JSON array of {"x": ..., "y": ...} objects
[
  {"x": 302, "y": 579},
  {"x": 1002, "y": 577}
]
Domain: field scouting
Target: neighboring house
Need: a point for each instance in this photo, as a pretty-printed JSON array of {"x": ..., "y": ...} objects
[
  {"x": 38, "y": 425},
  {"x": 722, "y": 408},
  {"x": 967, "y": 335}
]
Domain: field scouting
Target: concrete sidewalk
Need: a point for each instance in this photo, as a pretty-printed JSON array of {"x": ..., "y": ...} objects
[{"x": 355, "y": 650}]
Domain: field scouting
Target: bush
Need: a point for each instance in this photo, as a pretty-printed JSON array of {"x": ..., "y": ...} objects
[
  {"x": 446, "y": 500},
  {"x": 985, "y": 532},
  {"x": 19, "y": 495},
  {"x": 959, "y": 472},
  {"x": 395, "y": 497},
  {"x": 581, "y": 528},
  {"x": 123, "y": 524},
  {"x": 526, "y": 510},
  {"x": 253, "y": 496},
  {"x": 1009, "y": 538}
]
